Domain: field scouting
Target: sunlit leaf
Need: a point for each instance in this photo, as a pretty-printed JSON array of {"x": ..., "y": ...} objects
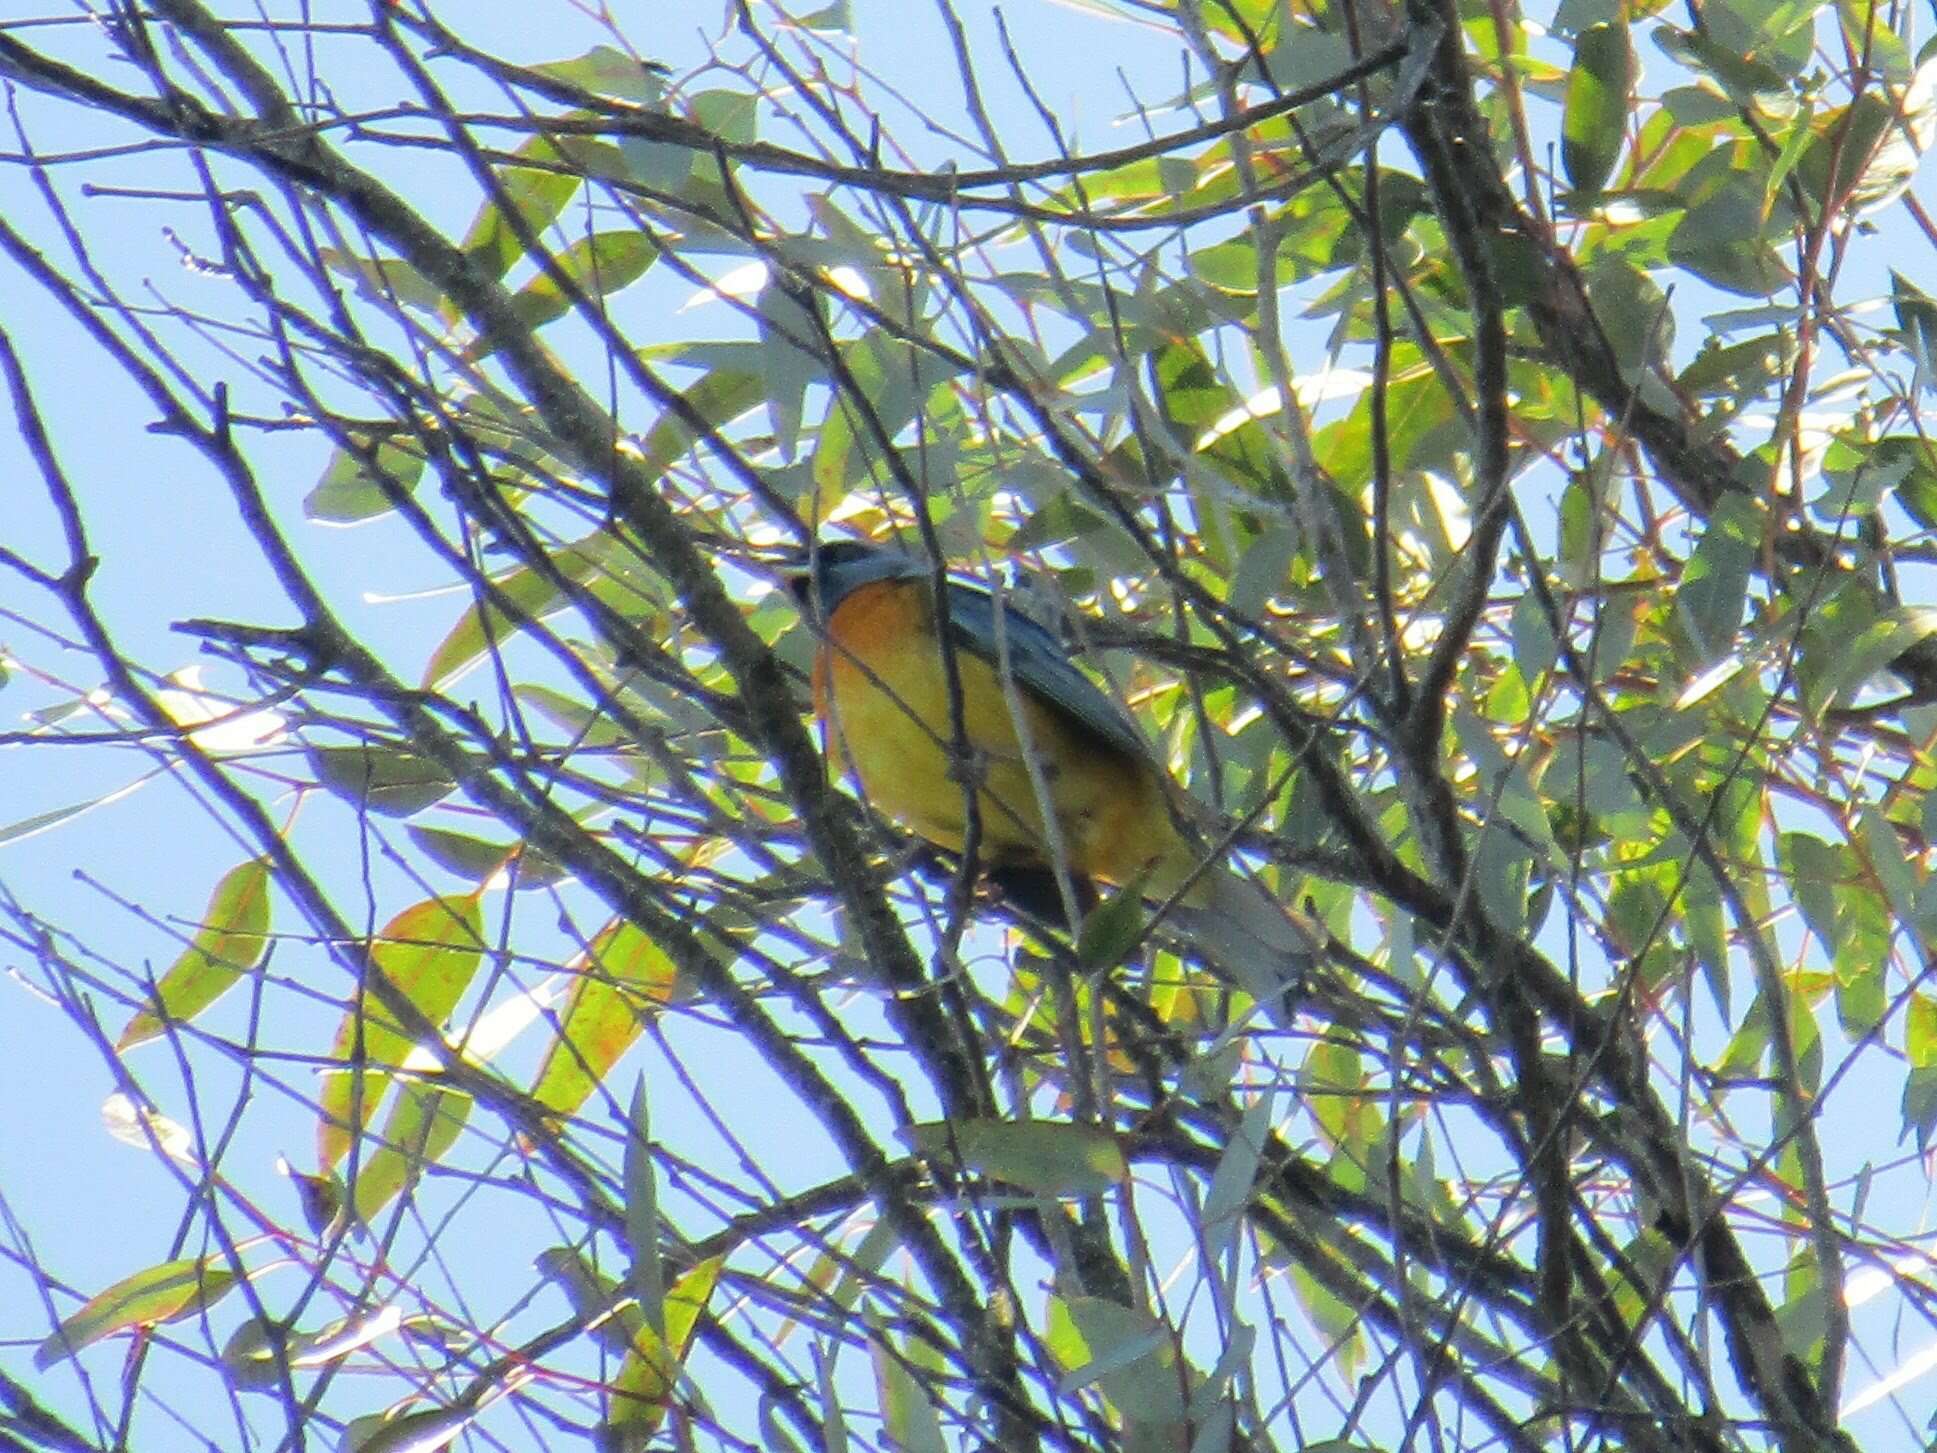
[
  {"x": 624, "y": 978},
  {"x": 425, "y": 1430},
  {"x": 605, "y": 563},
  {"x": 592, "y": 267},
  {"x": 232, "y": 940},
  {"x": 609, "y": 71},
  {"x": 423, "y": 1125},
  {"x": 427, "y": 954},
  {"x": 170, "y": 1292},
  {"x": 647, "y": 1376},
  {"x": 533, "y": 195}
]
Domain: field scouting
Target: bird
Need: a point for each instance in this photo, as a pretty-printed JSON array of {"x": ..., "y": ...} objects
[{"x": 1038, "y": 732}]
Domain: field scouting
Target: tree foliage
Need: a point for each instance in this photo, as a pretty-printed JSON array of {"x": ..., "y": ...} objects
[{"x": 1484, "y": 447}]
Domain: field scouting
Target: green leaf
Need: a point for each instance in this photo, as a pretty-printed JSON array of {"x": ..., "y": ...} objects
[
  {"x": 1892, "y": 868},
  {"x": 535, "y": 195},
  {"x": 1580, "y": 558},
  {"x": 1740, "y": 370},
  {"x": 598, "y": 1301},
  {"x": 380, "y": 777},
  {"x": 1864, "y": 155},
  {"x": 733, "y": 116},
  {"x": 250, "y": 1354},
  {"x": 645, "y": 1381},
  {"x": 848, "y": 1272},
  {"x": 171, "y": 1292},
  {"x": 1262, "y": 571},
  {"x": 1916, "y": 319},
  {"x": 384, "y": 279},
  {"x": 1535, "y": 647},
  {"x": 1794, "y": 143},
  {"x": 354, "y": 482},
  {"x": 642, "y": 1213},
  {"x": 478, "y": 861},
  {"x": 1045, "y": 1157},
  {"x": 429, "y": 953},
  {"x": 1127, "y": 1354},
  {"x": 1715, "y": 582},
  {"x": 594, "y": 267},
  {"x": 1236, "y": 1175},
  {"x": 424, "y": 1431},
  {"x": 605, "y": 563},
  {"x": 1599, "y": 91},
  {"x": 1920, "y": 1032},
  {"x": 422, "y": 1127},
  {"x": 1333, "y": 1083},
  {"x": 625, "y": 979},
  {"x": 1112, "y": 929},
  {"x": 1864, "y": 929},
  {"x": 1696, "y": 106},
  {"x": 1815, "y": 871},
  {"x": 791, "y": 339},
  {"x": 609, "y": 71},
  {"x": 233, "y": 939},
  {"x": 714, "y": 402},
  {"x": 1919, "y": 1105},
  {"x": 1634, "y": 315},
  {"x": 909, "y": 1419},
  {"x": 1720, "y": 238},
  {"x": 1920, "y": 1087},
  {"x": 320, "y": 1196},
  {"x": 1707, "y": 930},
  {"x": 1062, "y": 519},
  {"x": 1741, "y": 75}
]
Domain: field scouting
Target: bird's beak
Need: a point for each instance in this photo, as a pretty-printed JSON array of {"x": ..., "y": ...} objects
[{"x": 795, "y": 571}]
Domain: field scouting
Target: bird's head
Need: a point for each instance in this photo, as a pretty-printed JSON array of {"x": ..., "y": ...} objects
[{"x": 829, "y": 571}]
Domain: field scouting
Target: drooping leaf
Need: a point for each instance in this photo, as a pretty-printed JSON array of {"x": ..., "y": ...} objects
[
  {"x": 170, "y": 1292},
  {"x": 1599, "y": 90},
  {"x": 624, "y": 979},
  {"x": 232, "y": 940},
  {"x": 593, "y": 267},
  {"x": 428, "y": 955},
  {"x": 423, "y": 1125},
  {"x": 1128, "y": 1355},
  {"x": 908, "y": 1416},
  {"x": 1715, "y": 582},
  {"x": 646, "y": 1378}
]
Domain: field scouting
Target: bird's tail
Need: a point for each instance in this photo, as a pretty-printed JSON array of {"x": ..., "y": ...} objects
[{"x": 1264, "y": 947}]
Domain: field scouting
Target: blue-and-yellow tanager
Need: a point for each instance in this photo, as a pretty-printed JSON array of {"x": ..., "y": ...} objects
[{"x": 1039, "y": 735}]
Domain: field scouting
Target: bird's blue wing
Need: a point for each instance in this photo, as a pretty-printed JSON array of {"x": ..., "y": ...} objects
[{"x": 1039, "y": 664}]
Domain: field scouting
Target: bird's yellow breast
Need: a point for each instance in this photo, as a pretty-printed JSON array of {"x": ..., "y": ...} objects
[{"x": 881, "y": 690}]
